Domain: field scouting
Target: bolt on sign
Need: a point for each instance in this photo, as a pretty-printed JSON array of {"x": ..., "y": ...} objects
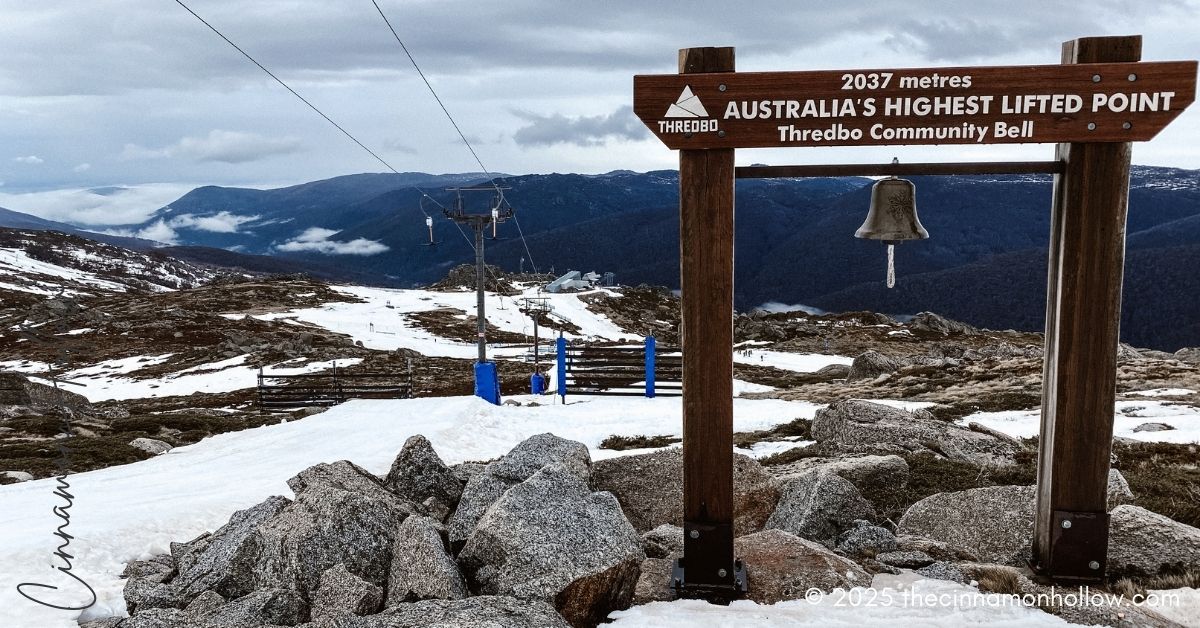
[{"x": 1101, "y": 102}]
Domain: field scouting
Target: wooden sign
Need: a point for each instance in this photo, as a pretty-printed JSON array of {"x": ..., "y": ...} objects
[{"x": 1100, "y": 102}]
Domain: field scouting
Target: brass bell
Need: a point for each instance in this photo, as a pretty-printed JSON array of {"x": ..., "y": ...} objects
[
  {"x": 893, "y": 215},
  {"x": 893, "y": 218}
]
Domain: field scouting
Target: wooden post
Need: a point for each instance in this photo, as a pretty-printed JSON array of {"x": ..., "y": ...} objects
[
  {"x": 1083, "y": 313},
  {"x": 706, "y": 278}
]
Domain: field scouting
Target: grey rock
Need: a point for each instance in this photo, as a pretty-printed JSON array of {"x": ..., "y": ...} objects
[
  {"x": 942, "y": 570},
  {"x": 341, "y": 515},
  {"x": 1145, "y": 542},
  {"x": 205, "y": 604},
  {"x": 485, "y": 611},
  {"x": 819, "y": 506},
  {"x": 650, "y": 489},
  {"x": 832, "y": 372},
  {"x": 781, "y": 566},
  {"x": 17, "y": 390},
  {"x": 994, "y": 523},
  {"x": 983, "y": 429},
  {"x": 464, "y": 471},
  {"x": 551, "y": 538},
  {"x": 652, "y": 584},
  {"x": 343, "y": 474},
  {"x": 421, "y": 569},
  {"x": 226, "y": 563},
  {"x": 872, "y": 566},
  {"x": 876, "y": 477},
  {"x": 928, "y": 321},
  {"x": 665, "y": 541},
  {"x": 866, "y": 540},
  {"x": 20, "y": 476},
  {"x": 529, "y": 456},
  {"x": 435, "y": 509},
  {"x": 907, "y": 559},
  {"x": 1188, "y": 354},
  {"x": 150, "y": 445},
  {"x": 343, "y": 592},
  {"x": 418, "y": 475},
  {"x": 159, "y": 618},
  {"x": 142, "y": 593},
  {"x": 481, "y": 491},
  {"x": 862, "y": 426},
  {"x": 937, "y": 549},
  {"x": 1118, "y": 490},
  {"x": 266, "y": 606},
  {"x": 1126, "y": 353},
  {"x": 162, "y": 564},
  {"x": 539, "y": 450},
  {"x": 184, "y": 555},
  {"x": 107, "y": 622},
  {"x": 1153, "y": 427},
  {"x": 870, "y": 365}
]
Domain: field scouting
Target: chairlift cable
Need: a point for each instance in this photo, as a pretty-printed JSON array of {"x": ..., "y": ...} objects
[
  {"x": 461, "y": 135},
  {"x": 320, "y": 113}
]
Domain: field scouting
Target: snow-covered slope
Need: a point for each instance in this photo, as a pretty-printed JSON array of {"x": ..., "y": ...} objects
[
  {"x": 134, "y": 511},
  {"x": 47, "y": 263}
]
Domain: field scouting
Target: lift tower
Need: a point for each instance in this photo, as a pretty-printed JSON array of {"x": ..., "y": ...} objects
[{"x": 487, "y": 383}]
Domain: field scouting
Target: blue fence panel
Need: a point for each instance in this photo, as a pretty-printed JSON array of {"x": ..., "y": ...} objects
[{"x": 650, "y": 366}]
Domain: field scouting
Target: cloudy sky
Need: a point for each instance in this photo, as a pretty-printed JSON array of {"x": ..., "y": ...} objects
[{"x": 124, "y": 92}]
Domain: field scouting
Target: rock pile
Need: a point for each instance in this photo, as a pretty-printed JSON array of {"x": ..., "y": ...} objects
[
  {"x": 544, "y": 537},
  {"x": 537, "y": 548}
]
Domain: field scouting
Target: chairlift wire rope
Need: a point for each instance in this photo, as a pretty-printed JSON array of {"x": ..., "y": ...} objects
[
  {"x": 461, "y": 135},
  {"x": 320, "y": 113},
  {"x": 359, "y": 143}
]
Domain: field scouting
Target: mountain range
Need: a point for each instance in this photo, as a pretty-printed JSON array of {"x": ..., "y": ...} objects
[{"x": 984, "y": 262}]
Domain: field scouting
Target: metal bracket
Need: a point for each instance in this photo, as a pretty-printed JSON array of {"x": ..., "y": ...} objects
[
  {"x": 1078, "y": 546},
  {"x": 715, "y": 575},
  {"x": 713, "y": 592}
]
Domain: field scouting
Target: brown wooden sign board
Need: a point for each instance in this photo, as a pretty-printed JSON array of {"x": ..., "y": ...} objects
[{"x": 1100, "y": 102}]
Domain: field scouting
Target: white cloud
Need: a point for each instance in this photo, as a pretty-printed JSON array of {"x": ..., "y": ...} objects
[
  {"x": 84, "y": 167},
  {"x": 221, "y": 222},
  {"x": 32, "y": 160},
  {"x": 109, "y": 206},
  {"x": 317, "y": 239},
  {"x": 231, "y": 147},
  {"x": 159, "y": 232},
  {"x": 579, "y": 130}
]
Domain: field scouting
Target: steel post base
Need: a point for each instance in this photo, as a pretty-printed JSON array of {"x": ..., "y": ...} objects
[{"x": 716, "y": 592}]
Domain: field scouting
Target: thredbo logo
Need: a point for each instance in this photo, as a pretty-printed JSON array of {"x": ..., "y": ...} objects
[{"x": 690, "y": 114}]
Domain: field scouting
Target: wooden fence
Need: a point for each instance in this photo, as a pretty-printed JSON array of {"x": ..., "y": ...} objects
[
  {"x": 277, "y": 391},
  {"x": 642, "y": 370}
]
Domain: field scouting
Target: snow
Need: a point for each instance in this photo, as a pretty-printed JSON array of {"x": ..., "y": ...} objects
[
  {"x": 1129, "y": 414},
  {"x": 17, "y": 262},
  {"x": 380, "y": 323},
  {"x": 24, "y": 366},
  {"x": 799, "y": 362},
  {"x": 1180, "y": 605},
  {"x": 118, "y": 366},
  {"x": 1165, "y": 392},
  {"x": 769, "y": 448},
  {"x": 218, "y": 377},
  {"x": 890, "y": 601},
  {"x": 741, "y": 387},
  {"x": 133, "y": 511}
]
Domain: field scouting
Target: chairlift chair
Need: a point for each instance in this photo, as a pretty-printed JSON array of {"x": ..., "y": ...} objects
[{"x": 428, "y": 225}]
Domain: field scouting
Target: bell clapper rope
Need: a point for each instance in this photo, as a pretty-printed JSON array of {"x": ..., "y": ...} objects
[{"x": 891, "y": 274}]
